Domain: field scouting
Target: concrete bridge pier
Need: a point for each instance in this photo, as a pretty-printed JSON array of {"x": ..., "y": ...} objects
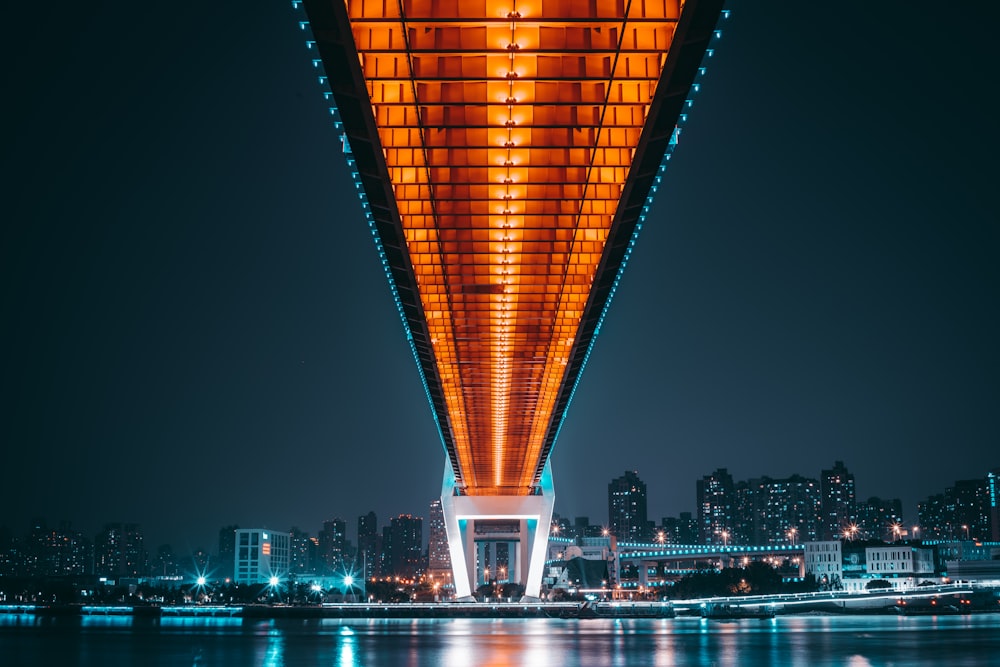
[{"x": 523, "y": 521}]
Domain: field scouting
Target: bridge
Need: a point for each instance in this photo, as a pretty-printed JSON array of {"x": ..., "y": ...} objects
[{"x": 506, "y": 153}]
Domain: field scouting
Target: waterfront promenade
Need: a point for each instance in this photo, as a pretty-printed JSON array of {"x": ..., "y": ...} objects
[{"x": 944, "y": 599}]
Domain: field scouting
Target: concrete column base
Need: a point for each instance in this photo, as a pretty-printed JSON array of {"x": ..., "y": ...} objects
[{"x": 534, "y": 513}]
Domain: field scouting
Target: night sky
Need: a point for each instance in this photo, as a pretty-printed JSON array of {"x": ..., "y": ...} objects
[{"x": 196, "y": 329}]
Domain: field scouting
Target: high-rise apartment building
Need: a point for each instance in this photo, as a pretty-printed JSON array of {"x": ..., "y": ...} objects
[
  {"x": 302, "y": 552},
  {"x": 333, "y": 544},
  {"x": 119, "y": 551},
  {"x": 682, "y": 529},
  {"x": 438, "y": 554},
  {"x": 227, "y": 551},
  {"x": 627, "y": 517},
  {"x": 56, "y": 551},
  {"x": 405, "y": 549},
  {"x": 790, "y": 509},
  {"x": 875, "y": 519},
  {"x": 715, "y": 504},
  {"x": 367, "y": 561},
  {"x": 963, "y": 511},
  {"x": 838, "y": 502}
]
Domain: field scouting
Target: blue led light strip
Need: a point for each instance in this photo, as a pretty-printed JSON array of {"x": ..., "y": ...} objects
[
  {"x": 671, "y": 146},
  {"x": 356, "y": 177}
]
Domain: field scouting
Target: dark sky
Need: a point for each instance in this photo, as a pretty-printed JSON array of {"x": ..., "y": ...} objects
[{"x": 196, "y": 329}]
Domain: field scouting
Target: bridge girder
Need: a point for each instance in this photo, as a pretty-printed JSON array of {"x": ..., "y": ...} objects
[{"x": 506, "y": 152}]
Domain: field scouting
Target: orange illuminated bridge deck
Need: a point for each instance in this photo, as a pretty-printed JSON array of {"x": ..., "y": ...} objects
[{"x": 506, "y": 151}]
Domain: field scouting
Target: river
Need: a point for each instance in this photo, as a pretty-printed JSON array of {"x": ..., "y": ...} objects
[{"x": 799, "y": 641}]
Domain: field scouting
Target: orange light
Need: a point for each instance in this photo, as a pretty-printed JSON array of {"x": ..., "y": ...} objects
[{"x": 512, "y": 118}]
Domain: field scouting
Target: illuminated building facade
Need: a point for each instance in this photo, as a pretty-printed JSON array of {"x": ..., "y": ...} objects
[
  {"x": 993, "y": 499},
  {"x": 715, "y": 506},
  {"x": 367, "y": 561},
  {"x": 333, "y": 544},
  {"x": 119, "y": 551},
  {"x": 627, "y": 515},
  {"x": 876, "y": 516},
  {"x": 838, "y": 504},
  {"x": 506, "y": 153},
  {"x": 790, "y": 510},
  {"x": 403, "y": 548},
  {"x": 963, "y": 511},
  {"x": 438, "y": 553},
  {"x": 260, "y": 555}
]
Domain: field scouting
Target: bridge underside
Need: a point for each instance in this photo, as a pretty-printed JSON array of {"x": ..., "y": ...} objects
[{"x": 505, "y": 153}]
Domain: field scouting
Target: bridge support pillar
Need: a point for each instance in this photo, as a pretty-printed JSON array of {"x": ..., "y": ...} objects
[{"x": 533, "y": 515}]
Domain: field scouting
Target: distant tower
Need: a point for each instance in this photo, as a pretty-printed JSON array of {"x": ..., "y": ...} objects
[
  {"x": 227, "y": 551},
  {"x": 627, "y": 518},
  {"x": 333, "y": 544},
  {"x": 368, "y": 557},
  {"x": 301, "y": 554},
  {"x": 789, "y": 504},
  {"x": 438, "y": 553},
  {"x": 165, "y": 564},
  {"x": 406, "y": 550},
  {"x": 119, "y": 551},
  {"x": 385, "y": 553},
  {"x": 838, "y": 502},
  {"x": 970, "y": 498},
  {"x": 56, "y": 551},
  {"x": 715, "y": 506},
  {"x": 963, "y": 511}
]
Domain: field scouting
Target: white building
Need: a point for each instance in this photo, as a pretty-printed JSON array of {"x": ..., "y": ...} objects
[
  {"x": 902, "y": 566},
  {"x": 260, "y": 555},
  {"x": 897, "y": 559},
  {"x": 825, "y": 561}
]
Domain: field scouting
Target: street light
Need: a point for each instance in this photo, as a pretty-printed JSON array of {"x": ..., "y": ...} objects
[
  {"x": 791, "y": 535},
  {"x": 660, "y": 537},
  {"x": 965, "y": 527},
  {"x": 725, "y": 538}
]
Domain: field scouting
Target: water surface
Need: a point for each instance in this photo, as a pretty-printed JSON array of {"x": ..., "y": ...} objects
[{"x": 799, "y": 641}]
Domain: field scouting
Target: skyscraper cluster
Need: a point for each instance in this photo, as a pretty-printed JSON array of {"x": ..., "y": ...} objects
[
  {"x": 968, "y": 509},
  {"x": 767, "y": 510}
]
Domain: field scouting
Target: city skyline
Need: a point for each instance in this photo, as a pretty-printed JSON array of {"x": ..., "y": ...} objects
[
  {"x": 198, "y": 330},
  {"x": 720, "y": 516}
]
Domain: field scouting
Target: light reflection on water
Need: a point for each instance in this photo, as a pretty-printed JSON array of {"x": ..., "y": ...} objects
[{"x": 798, "y": 641}]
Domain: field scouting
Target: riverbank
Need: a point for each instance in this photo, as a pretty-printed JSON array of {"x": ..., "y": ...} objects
[{"x": 944, "y": 601}]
